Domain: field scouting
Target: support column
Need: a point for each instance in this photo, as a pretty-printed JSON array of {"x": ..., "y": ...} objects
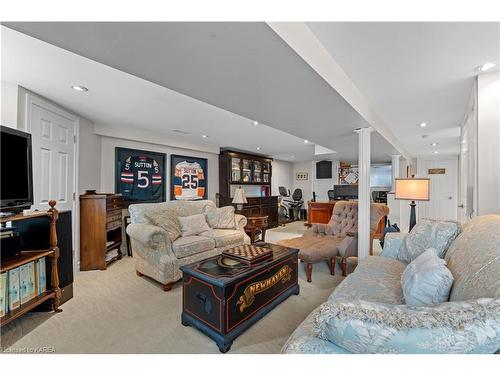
[
  {"x": 394, "y": 205},
  {"x": 364, "y": 198},
  {"x": 395, "y": 170}
]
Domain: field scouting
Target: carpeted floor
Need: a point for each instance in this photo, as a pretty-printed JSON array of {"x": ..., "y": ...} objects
[{"x": 115, "y": 311}]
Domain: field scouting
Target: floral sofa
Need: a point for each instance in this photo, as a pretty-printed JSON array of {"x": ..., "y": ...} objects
[
  {"x": 159, "y": 255},
  {"x": 366, "y": 312}
]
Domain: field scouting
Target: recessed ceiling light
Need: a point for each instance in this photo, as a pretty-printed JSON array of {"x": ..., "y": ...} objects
[
  {"x": 255, "y": 122},
  {"x": 434, "y": 144},
  {"x": 79, "y": 88},
  {"x": 258, "y": 148},
  {"x": 205, "y": 136},
  {"x": 435, "y": 152},
  {"x": 423, "y": 124},
  {"x": 486, "y": 66},
  {"x": 306, "y": 141}
]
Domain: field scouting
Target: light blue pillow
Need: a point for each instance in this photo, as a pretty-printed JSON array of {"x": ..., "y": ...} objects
[
  {"x": 438, "y": 234},
  {"x": 426, "y": 280}
]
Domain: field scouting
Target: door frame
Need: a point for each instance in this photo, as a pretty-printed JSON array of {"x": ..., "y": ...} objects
[{"x": 31, "y": 100}]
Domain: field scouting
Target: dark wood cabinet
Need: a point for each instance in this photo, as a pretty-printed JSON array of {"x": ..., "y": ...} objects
[
  {"x": 253, "y": 173},
  {"x": 100, "y": 230}
]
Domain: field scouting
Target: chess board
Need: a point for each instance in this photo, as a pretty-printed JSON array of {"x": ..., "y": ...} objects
[{"x": 248, "y": 254}]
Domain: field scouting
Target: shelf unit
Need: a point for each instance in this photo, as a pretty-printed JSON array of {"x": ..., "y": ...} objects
[
  {"x": 52, "y": 253},
  {"x": 100, "y": 230},
  {"x": 242, "y": 169}
]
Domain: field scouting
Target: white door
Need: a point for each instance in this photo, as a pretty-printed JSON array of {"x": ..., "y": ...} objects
[
  {"x": 53, "y": 138},
  {"x": 443, "y": 188}
]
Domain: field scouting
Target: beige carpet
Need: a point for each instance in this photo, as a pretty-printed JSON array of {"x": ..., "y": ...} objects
[{"x": 114, "y": 311}]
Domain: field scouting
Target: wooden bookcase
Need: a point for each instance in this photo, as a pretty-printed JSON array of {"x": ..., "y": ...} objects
[
  {"x": 100, "y": 230},
  {"x": 52, "y": 253},
  {"x": 241, "y": 169}
]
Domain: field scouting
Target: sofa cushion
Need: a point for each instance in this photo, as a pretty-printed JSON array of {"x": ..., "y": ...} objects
[
  {"x": 374, "y": 279},
  {"x": 474, "y": 259},
  {"x": 165, "y": 218},
  {"x": 190, "y": 245},
  {"x": 225, "y": 237},
  {"x": 193, "y": 225},
  {"x": 220, "y": 218},
  {"x": 451, "y": 327},
  {"x": 438, "y": 234},
  {"x": 304, "y": 341},
  {"x": 426, "y": 280}
]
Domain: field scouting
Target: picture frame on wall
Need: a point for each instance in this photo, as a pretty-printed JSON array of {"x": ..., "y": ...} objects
[
  {"x": 140, "y": 175},
  {"x": 188, "y": 178}
]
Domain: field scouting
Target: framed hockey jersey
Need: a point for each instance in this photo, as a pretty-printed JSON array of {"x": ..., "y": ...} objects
[
  {"x": 188, "y": 178},
  {"x": 140, "y": 175}
]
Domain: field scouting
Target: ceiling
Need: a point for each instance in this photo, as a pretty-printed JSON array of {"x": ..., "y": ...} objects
[
  {"x": 204, "y": 78},
  {"x": 414, "y": 72}
]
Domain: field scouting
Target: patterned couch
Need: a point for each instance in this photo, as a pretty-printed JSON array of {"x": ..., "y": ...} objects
[
  {"x": 160, "y": 258},
  {"x": 366, "y": 312}
]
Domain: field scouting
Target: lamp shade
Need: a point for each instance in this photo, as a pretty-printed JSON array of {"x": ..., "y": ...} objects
[
  {"x": 413, "y": 189},
  {"x": 239, "y": 196}
]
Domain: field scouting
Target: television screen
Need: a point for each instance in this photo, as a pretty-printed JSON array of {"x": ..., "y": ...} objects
[
  {"x": 15, "y": 167},
  {"x": 324, "y": 169}
]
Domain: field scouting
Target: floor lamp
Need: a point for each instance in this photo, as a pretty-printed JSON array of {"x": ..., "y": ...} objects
[{"x": 412, "y": 189}]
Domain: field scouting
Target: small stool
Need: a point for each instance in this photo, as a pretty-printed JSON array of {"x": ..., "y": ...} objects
[{"x": 311, "y": 255}]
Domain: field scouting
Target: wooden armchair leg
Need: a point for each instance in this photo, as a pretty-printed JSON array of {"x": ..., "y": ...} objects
[
  {"x": 309, "y": 270},
  {"x": 167, "y": 287},
  {"x": 331, "y": 265},
  {"x": 343, "y": 265}
]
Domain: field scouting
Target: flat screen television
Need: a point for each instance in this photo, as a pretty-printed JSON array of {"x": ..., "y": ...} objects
[{"x": 16, "y": 191}]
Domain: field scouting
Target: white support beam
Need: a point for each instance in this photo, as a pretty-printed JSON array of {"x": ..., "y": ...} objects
[
  {"x": 364, "y": 199},
  {"x": 303, "y": 41},
  {"x": 395, "y": 170}
]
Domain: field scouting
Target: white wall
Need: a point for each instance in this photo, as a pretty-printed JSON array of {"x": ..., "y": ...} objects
[
  {"x": 89, "y": 162},
  {"x": 306, "y": 185},
  {"x": 488, "y": 138},
  {"x": 282, "y": 176},
  {"x": 8, "y": 104},
  {"x": 321, "y": 185},
  {"x": 107, "y": 167}
]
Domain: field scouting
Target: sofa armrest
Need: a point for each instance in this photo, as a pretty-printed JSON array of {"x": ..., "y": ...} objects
[
  {"x": 451, "y": 327},
  {"x": 393, "y": 244},
  {"x": 240, "y": 221},
  {"x": 148, "y": 234}
]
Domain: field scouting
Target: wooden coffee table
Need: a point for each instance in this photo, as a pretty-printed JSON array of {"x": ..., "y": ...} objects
[{"x": 223, "y": 301}]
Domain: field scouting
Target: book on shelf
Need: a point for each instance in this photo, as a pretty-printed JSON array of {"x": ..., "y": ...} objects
[
  {"x": 3, "y": 294},
  {"x": 14, "y": 301},
  {"x": 31, "y": 281},
  {"x": 111, "y": 254},
  {"x": 41, "y": 276},
  {"x": 23, "y": 283}
]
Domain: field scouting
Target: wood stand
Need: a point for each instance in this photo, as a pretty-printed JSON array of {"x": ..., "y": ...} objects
[
  {"x": 53, "y": 293},
  {"x": 100, "y": 230}
]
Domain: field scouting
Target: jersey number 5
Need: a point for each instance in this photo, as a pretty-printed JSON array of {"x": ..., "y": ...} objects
[{"x": 142, "y": 177}]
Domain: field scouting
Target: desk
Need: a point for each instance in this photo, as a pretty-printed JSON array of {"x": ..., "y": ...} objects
[{"x": 319, "y": 211}]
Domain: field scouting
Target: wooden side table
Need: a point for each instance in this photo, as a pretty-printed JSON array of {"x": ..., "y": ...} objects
[{"x": 256, "y": 223}]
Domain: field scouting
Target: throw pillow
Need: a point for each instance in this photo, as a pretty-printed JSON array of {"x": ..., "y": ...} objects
[
  {"x": 426, "y": 280},
  {"x": 438, "y": 234},
  {"x": 166, "y": 219},
  {"x": 193, "y": 225},
  {"x": 220, "y": 218}
]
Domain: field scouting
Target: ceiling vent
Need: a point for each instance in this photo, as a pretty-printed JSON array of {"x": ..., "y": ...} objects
[{"x": 181, "y": 131}]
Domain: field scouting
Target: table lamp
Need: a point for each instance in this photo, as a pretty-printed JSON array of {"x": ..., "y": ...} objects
[
  {"x": 414, "y": 189},
  {"x": 239, "y": 198}
]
